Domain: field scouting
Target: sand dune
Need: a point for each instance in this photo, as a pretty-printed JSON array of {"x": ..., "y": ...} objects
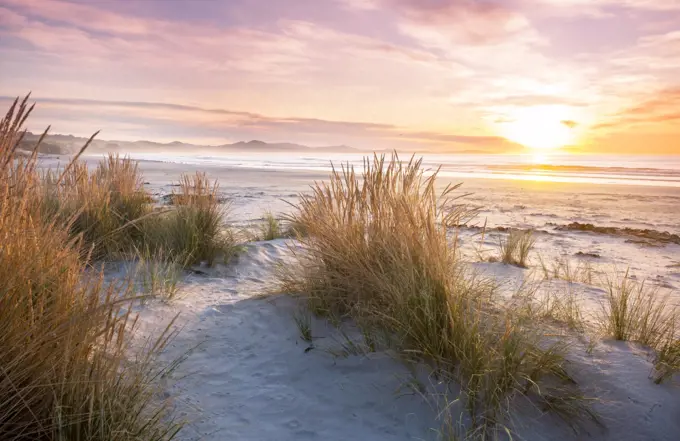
[{"x": 249, "y": 376}]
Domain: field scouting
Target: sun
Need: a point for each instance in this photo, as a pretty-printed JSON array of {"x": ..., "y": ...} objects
[{"x": 540, "y": 127}]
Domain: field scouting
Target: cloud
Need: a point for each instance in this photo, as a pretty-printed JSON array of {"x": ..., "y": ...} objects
[
  {"x": 362, "y": 5},
  {"x": 659, "y": 108},
  {"x": 84, "y": 16},
  {"x": 134, "y": 120},
  {"x": 430, "y": 72},
  {"x": 599, "y": 8},
  {"x": 440, "y": 23}
]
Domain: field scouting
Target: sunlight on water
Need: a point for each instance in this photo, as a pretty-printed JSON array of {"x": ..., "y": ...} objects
[
  {"x": 663, "y": 171},
  {"x": 539, "y": 158}
]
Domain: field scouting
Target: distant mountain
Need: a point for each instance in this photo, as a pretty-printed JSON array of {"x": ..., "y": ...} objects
[
  {"x": 45, "y": 147},
  {"x": 70, "y": 144},
  {"x": 261, "y": 146}
]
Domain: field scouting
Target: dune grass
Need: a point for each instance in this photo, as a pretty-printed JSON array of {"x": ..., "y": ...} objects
[
  {"x": 378, "y": 252},
  {"x": 271, "y": 228},
  {"x": 667, "y": 361},
  {"x": 294, "y": 228},
  {"x": 158, "y": 273},
  {"x": 195, "y": 229},
  {"x": 66, "y": 370},
  {"x": 563, "y": 307},
  {"x": 103, "y": 205},
  {"x": 637, "y": 312},
  {"x": 109, "y": 209},
  {"x": 563, "y": 268},
  {"x": 515, "y": 248},
  {"x": 303, "y": 321}
]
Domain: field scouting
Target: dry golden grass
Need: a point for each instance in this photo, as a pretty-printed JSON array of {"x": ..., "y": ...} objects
[
  {"x": 65, "y": 370},
  {"x": 158, "y": 273},
  {"x": 565, "y": 269},
  {"x": 111, "y": 211},
  {"x": 667, "y": 361},
  {"x": 634, "y": 311},
  {"x": 515, "y": 248},
  {"x": 105, "y": 204},
  {"x": 271, "y": 228},
  {"x": 195, "y": 229},
  {"x": 378, "y": 251}
]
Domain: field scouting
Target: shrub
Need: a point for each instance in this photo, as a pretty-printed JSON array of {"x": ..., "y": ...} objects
[
  {"x": 64, "y": 334},
  {"x": 378, "y": 252}
]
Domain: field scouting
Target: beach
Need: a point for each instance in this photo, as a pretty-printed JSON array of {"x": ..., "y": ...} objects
[
  {"x": 246, "y": 373},
  {"x": 371, "y": 220}
]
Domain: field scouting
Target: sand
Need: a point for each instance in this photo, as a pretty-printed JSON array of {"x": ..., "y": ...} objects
[{"x": 247, "y": 374}]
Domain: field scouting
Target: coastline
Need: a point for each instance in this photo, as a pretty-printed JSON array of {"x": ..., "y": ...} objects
[{"x": 247, "y": 374}]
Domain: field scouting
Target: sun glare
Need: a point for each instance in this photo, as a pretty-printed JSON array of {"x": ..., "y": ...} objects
[{"x": 539, "y": 127}]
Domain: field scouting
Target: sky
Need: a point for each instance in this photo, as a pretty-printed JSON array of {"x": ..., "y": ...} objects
[{"x": 585, "y": 76}]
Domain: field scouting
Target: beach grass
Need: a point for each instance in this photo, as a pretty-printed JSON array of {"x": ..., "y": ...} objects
[
  {"x": 515, "y": 248},
  {"x": 563, "y": 268},
  {"x": 638, "y": 312},
  {"x": 158, "y": 273},
  {"x": 68, "y": 369},
  {"x": 294, "y": 228},
  {"x": 193, "y": 231},
  {"x": 378, "y": 252},
  {"x": 303, "y": 321},
  {"x": 271, "y": 227},
  {"x": 109, "y": 209},
  {"x": 667, "y": 362},
  {"x": 102, "y": 206}
]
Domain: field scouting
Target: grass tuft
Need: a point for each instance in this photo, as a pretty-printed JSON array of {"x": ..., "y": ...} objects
[
  {"x": 378, "y": 251},
  {"x": 667, "y": 361},
  {"x": 66, "y": 370},
  {"x": 564, "y": 269},
  {"x": 193, "y": 231},
  {"x": 271, "y": 228},
  {"x": 634, "y": 311},
  {"x": 103, "y": 206},
  {"x": 295, "y": 229},
  {"x": 158, "y": 273},
  {"x": 303, "y": 321},
  {"x": 515, "y": 248}
]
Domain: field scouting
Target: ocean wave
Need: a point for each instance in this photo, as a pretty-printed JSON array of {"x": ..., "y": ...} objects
[{"x": 585, "y": 169}]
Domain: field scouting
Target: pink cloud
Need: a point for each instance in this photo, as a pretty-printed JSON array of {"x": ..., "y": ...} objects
[
  {"x": 657, "y": 108},
  {"x": 83, "y": 16},
  {"x": 119, "y": 117},
  {"x": 433, "y": 70},
  {"x": 10, "y": 19},
  {"x": 442, "y": 22}
]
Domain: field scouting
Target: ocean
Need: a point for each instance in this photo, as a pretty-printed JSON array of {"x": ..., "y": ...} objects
[{"x": 660, "y": 171}]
